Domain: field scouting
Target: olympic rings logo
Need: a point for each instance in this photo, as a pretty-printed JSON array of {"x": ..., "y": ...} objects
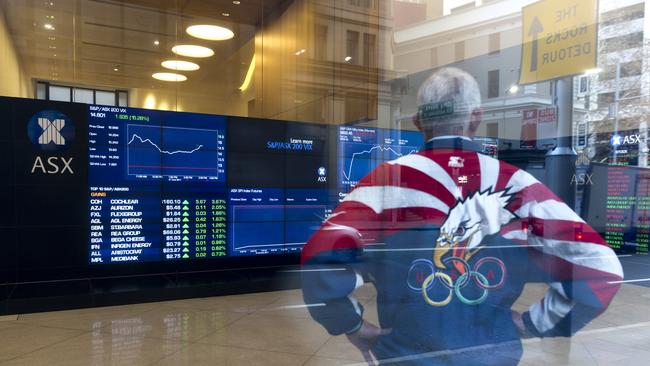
[{"x": 416, "y": 281}]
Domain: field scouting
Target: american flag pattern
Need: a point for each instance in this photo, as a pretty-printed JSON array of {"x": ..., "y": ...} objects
[{"x": 421, "y": 188}]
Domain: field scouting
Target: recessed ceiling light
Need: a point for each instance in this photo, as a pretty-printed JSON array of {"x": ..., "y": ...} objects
[
  {"x": 225, "y": 14},
  {"x": 236, "y": 2},
  {"x": 192, "y": 50},
  {"x": 179, "y": 65},
  {"x": 48, "y": 26},
  {"x": 52, "y": 47},
  {"x": 52, "y": 38},
  {"x": 49, "y": 16},
  {"x": 156, "y": 42},
  {"x": 54, "y": 54},
  {"x": 169, "y": 76},
  {"x": 116, "y": 69},
  {"x": 210, "y": 32}
]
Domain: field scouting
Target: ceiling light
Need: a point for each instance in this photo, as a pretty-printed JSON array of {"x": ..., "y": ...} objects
[
  {"x": 49, "y": 16},
  {"x": 52, "y": 47},
  {"x": 116, "y": 69},
  {"x": 236, "y": 2},
  {"x": 156, "y": 43},
  {"x": 300, "y": 52},
  {"x": 169, "y": 76},
  {"x": 179, "y": 65},
  {"x": 210, "y": 32},
  {"x": 192, "y": 50},
  {"x": 348, "y": 58},
  {"x": 52, "y": 38},
  {"x": 54, "y": 54},
  {"x": 48, "y": 26},
  {"x": 225, "y": 14}
]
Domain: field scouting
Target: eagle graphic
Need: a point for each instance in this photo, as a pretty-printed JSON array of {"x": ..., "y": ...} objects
[{"x": 473, "y": 218}]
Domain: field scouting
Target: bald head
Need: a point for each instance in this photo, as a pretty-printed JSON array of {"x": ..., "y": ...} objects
[{"x": 449, "y": 103}]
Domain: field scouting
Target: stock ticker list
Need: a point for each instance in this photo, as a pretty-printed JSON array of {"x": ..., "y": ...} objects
[
  {"x": 156, "y": 186},
  {"x": 628, "y": 210}
]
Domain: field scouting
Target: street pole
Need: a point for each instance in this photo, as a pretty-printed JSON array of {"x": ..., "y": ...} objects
[{"x": 560, "y": 161}]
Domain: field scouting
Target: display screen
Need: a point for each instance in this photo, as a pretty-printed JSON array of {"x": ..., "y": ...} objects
[
  {"x": 361, "y": 149},
  {"x": 279, "y": 186},
  {"x": 623, "y": 217},
  {"x": 182, "y": 186},
  {"x": 157, "y": 185}
]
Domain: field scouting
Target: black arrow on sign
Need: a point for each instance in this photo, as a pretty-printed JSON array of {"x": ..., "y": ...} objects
[{"x": 535, "y": 29}]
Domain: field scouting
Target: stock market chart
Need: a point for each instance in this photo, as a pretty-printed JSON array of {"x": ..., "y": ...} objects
[
  {"x": 157, "y": 185},
  {"x": 362, "y": 149}
]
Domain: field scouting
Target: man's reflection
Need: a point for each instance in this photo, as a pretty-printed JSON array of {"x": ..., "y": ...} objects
[{"x": 449, "y": 237}]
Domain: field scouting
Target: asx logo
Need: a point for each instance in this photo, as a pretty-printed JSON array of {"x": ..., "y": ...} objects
[
  {"x": 618, "y": 140},
  {"x": 51, "y": 130},
  {"x": 322, "y": 174}
]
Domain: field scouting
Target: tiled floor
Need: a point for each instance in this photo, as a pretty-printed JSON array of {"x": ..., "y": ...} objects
[{"x": 272, "y": 329}]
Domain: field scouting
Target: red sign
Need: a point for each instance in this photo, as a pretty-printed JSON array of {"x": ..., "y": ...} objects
[{"x": 528, "y": 138}]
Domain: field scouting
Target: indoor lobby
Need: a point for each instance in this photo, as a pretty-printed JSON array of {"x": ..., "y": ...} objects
[{"x": 325, "y": 182}]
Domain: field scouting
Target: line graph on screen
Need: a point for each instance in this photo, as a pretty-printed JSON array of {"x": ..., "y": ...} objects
[{"x": 157, "y": 151}]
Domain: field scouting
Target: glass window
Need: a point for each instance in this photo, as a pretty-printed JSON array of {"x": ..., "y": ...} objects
[
  {"x": 459, "y": 50},
  {"x": 352, "y": 47},
  {"x": 104, "y": 97},
  {"x": 84, "y": 96},
  {"x": 493, "y": 85},
  {"x": 60, "y": 93},
  {"x": 494, "y": 43},
  {"x": 369, "y": 50},
  {"x": 320, "y": 42}
]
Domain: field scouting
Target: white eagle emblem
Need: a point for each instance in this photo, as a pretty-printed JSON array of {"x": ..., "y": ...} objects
[{"x": 472, "y": 219}]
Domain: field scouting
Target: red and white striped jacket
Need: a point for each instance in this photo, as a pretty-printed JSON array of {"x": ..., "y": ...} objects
[{"x": 467, "y": 198}]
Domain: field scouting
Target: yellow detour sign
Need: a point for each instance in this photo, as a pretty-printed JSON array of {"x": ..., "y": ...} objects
[{"x": 559, "y": 39}]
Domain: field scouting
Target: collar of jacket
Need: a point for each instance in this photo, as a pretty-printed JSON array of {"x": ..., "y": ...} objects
[{"x": 452, "y": 142}]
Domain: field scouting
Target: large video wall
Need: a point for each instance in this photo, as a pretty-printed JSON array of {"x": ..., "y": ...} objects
[
  {"x": 137, "y": 185},
  {"x": 180, "y": 186}
]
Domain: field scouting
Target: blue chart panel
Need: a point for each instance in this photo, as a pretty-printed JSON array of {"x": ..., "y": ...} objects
[
  {"x": 274, "y": 221},
  {"x": 362, "y": 149},
  {"x": 155, "y": 151}
]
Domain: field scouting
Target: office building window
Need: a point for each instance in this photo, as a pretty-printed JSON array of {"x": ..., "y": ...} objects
[
  {"x": 493, "y": 84},
  {"x": 492, "y": 130},
  {"x": 494, "y": 43},
  {"x": 369, "y": 50},
  {"x": 459, "y": 50},
  {"x": 434, "y": 57},
  {"x": 352, "y": 47},
  {"x": 320, "y": 42}
]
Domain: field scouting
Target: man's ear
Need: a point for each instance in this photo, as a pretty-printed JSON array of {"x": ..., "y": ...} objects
[
  {"x": 416, "y": 121},
  {"x": 475, "y": 120}
]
